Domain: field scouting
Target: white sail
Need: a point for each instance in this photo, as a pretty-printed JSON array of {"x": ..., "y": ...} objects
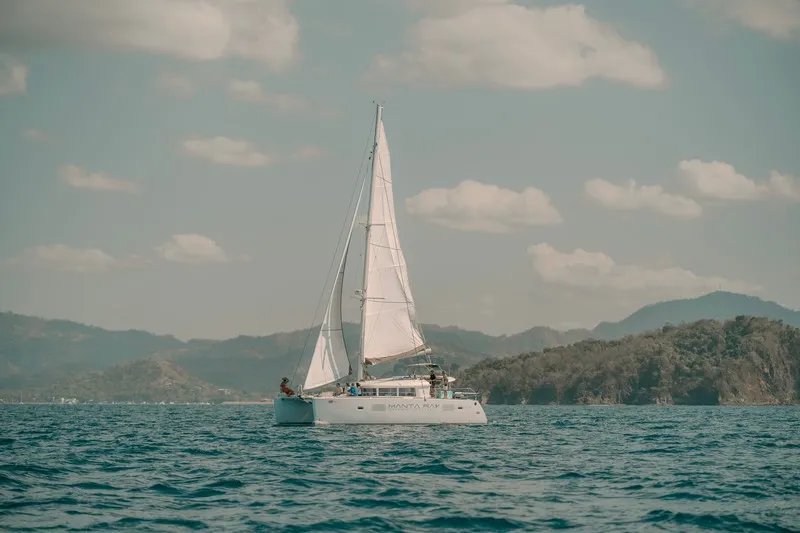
[
  {"x": 389, "y": 326},
  {"x": 329, "y": 361}
]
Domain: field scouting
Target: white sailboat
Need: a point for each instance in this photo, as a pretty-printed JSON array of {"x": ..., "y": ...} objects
[{"x": 389, "y": 332}]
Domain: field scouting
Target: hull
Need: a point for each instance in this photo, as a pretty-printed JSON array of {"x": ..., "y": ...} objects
[
  {"x": 293, "y": 411},
  {"x": 377, "y": 410}
]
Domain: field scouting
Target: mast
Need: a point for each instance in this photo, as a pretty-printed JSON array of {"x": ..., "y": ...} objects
[{"x": 360, "y": 369}]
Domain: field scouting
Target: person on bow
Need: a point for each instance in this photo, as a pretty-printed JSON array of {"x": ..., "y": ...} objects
[{"x": 285, "y": 387}]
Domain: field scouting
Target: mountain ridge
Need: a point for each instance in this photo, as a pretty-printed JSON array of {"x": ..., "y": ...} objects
[
  {"x": 37, "y": 352},
  {"x": 717, "y": 305}
]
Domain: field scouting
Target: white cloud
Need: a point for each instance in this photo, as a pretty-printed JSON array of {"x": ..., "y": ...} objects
[
  {"x": 720, "y": 181},
  {"x": 187, "y": 248},
  {"x": 475, "y": 206},
  {"x": 596, "y": 270},
  {"x": 778, "y": 18},
  {"x": 13, "y": 75},
  {"x": 252, "y": 91},
  {"x": 177, "y": 84},
  {"x": 66, "y": 258},
  {"x": 307, "y": 152},
  {"x": 32, "y": 134},
  {"x": 501, "y": 44},
  {"x": 226, "y": 151},
  {"x": 262, "y": 30},
  {"x": 632, "y": 197},
  {"x": 192, "y": 248},
  {"x": 79, "y": 178},
  {"x": 783, "y": 185}
]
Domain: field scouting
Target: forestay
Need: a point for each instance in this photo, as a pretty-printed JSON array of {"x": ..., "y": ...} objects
[{"x": 390, "y": 329}]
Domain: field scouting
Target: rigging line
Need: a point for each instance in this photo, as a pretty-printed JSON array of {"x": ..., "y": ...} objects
[{"x": 333, "y": 259}]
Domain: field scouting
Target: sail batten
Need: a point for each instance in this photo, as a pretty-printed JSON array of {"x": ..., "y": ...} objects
[{"x": 389, "y": 329}]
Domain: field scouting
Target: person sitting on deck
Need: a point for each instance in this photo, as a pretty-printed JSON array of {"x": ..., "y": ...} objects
[
  {"x": 339, "y": 390},
  {"x": 285, "y": 387},
  {"x": 353, "y": 390}
]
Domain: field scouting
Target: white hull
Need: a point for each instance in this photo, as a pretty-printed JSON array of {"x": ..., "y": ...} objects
[{"x": 377, "y": 410}]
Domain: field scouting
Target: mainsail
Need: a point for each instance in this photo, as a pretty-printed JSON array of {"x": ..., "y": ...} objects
[
  {"x": 389, "y": 329},
  {"x": 329, "y": 361}
]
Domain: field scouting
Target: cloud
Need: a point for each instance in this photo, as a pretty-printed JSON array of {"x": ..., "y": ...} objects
[
  {"x": 596, "y": 270},
  {"x": 252, "y": 91},
  {"x": 307, "y": 152},
  {"x": 176, "y": 84},
  {"x": 13, "y": 75},
  {"x": 778, "y": 18},
  {"x": 783, "y": 185},
  {"x": 79, "y": 178},
  {"x": 262, "y": 30},
  {"x": 192, "y": 248},
  {"x": 226, "y": 151},
  {"x": 474, "y": 206},
  {"x": 720, "y": 181},
  {"x": 632, "y": 197},
  {"x": 501, "y": 44},
  {"x": 187, "y": 248},
  {"x": 32, "y": 134},
  {"x": 68, "y": 259}
]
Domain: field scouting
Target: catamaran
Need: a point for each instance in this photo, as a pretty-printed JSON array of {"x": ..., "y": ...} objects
[{"x": 389, "y": 332}]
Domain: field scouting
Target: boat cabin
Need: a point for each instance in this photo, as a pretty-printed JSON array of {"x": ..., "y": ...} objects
[
  {"x": 396, "y": 387},
  {"x": 416, "y": 383}
]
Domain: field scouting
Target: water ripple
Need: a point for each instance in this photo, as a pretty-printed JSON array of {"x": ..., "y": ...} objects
[{"x": 228, "y": 468}]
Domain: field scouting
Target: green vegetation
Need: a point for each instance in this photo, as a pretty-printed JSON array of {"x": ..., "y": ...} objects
[
  {"x": 145, "y": 380},
  {"x": 742, "y": 361},
  {"x": 36, "y": 354}
]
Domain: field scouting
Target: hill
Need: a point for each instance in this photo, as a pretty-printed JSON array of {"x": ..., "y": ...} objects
[
  {"x": 35, "y": 352},
  {"x": 741, "y": 361},
  {"x": 716, "y": 305},
  {"x": 149, "y": 380}
]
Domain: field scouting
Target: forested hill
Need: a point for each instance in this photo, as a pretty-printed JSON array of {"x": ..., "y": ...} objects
[
  {"x": 36, "y": 352},
  {"x": 742, "y": 361}
]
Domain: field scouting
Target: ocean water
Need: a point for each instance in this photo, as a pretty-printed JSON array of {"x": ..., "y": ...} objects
[{"x": 228, "y": 468}]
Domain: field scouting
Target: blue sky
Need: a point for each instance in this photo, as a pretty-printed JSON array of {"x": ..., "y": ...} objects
[{"x": 185, "y": 167}]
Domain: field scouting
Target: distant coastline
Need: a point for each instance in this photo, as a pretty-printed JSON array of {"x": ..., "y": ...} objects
[
  {"x": 667, "y": 352},
  {"x": 263, "y": 402}
]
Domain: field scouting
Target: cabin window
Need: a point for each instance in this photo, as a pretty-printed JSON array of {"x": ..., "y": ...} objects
[
  {"x": 369, "y": 392},
  {"x": 387, "y": 392},
  {"x": 406, "y": 391}
]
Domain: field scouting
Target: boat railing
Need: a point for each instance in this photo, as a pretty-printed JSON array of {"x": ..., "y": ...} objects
[
  {"x": 465, "y": 392},
  {"x": 458, "y": 393}
]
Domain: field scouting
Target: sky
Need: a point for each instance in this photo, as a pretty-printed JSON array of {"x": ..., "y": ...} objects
[{"x": 185, "y": 166}]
